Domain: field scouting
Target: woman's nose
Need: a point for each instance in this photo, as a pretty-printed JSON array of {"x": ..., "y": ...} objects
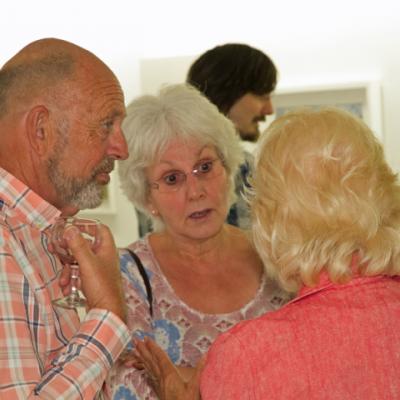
[{"x": 194, "y": 186}]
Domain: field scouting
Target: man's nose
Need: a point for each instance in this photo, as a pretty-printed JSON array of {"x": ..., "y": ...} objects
[
  {"x": 117, "y": 146},
  {"x": 268, "y": 108}
]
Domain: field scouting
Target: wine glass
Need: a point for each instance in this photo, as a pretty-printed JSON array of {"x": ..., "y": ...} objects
[{"x": 89, "y": 229}]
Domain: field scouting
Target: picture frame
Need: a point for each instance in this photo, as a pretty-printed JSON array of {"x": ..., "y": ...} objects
[{"x": 360, "y": 98}]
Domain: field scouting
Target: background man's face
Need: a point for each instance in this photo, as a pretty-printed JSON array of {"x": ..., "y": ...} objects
[{"x": 247, "y": 112}]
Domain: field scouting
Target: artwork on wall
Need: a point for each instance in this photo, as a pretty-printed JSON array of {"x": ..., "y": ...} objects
[{"x": 360, "y": 98}]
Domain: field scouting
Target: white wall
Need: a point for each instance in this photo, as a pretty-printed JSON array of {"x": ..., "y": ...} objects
[{"x": 311, "y": 41}]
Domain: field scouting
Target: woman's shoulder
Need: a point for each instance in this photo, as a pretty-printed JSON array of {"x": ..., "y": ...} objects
[
  {"x": 270, "y": 295},
  {"x": 141, "y": 249}
]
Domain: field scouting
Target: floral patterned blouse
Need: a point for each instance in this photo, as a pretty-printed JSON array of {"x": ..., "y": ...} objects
[{"x": 184, "y": 333}]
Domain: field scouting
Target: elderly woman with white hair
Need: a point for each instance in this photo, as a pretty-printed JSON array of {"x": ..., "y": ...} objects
[
  {"x": 326, "y": 222},
  {"x": 195, "y": 276}
]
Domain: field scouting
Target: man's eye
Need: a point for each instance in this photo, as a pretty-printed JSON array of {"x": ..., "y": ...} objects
[
  {"x": 205, "y": 167},
  {"x": 108, "y": 124}
]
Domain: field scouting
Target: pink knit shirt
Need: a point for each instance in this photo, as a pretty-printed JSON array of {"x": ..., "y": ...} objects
[{"x": 333, "y": 341}]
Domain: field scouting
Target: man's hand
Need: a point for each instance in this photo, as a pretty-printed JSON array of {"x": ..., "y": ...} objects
[
  {"x": 64, "y": 280},
  {"x": 98, "y": 269}
]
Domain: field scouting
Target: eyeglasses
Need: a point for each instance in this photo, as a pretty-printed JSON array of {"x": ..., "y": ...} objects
[{"x": 174, "y": 180}]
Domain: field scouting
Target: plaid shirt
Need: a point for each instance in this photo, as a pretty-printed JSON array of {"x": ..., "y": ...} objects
[{"x": 44, "y": 350}]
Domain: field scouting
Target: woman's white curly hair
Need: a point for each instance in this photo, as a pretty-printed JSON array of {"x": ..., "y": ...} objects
[{"x": 177, "y": 112}]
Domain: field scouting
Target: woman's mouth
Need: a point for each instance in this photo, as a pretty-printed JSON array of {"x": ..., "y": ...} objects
[{"x": 200, "y": 214}]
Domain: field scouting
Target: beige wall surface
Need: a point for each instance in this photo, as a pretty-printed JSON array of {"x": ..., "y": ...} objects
[{"x": 315, "y": 44}]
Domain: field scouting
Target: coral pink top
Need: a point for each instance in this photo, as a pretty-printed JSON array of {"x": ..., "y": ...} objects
[{"x": 331, "y": 342}]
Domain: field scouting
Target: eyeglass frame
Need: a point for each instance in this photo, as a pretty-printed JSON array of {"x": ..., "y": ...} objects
[{"x": 195, "y": 172}]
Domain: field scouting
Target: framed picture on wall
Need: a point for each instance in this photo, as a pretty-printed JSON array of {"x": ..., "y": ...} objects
[{"x": 360, "y": 98}]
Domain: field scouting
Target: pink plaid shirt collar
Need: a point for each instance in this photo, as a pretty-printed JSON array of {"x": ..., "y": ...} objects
[{"x": 31, "y": 208}]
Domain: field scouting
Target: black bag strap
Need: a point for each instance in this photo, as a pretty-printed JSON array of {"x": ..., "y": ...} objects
[{"x": 145, "y": 278}]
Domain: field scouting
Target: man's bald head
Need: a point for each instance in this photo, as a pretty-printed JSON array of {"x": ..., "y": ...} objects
[
  {"x": 61, "y": 110},
  {"x": 38, "y": 69}
]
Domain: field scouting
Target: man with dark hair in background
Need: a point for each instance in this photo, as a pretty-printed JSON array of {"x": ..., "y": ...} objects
[{"x": 239, "y": 80}]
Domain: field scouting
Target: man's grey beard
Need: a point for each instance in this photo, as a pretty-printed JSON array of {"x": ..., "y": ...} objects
[{"x": 81, "y": 193}]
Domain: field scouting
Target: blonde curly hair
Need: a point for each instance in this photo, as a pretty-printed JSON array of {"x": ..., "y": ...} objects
[{"x": 322, "y": 192}]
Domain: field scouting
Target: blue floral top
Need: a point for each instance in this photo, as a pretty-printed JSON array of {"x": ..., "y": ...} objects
[{"x": 184, "y": 333}]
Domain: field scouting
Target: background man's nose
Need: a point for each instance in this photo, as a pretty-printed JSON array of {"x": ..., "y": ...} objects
[{"x": 268, "y": 107}]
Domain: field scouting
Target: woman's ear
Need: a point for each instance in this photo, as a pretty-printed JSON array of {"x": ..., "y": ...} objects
[
  {"x": 153, "y": 211},
  {"x": 39, "y": 132},
  {"x": 152, "y": 208}
]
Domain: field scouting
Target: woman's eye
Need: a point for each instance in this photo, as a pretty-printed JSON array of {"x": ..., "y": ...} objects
[
  {"x": 205, "y": 167},
  {"x": 171, "y": 179}
]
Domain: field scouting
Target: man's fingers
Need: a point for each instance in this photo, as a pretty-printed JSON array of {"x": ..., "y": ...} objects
[
  {"x": 105, "y": 240},
  {"x": 65, "y": 279},
  {"x": 76, "y": 242},
  {"x": 65, "y": 276}
]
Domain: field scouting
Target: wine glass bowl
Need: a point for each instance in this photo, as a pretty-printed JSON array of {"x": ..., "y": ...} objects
[{"x": 89, "y": 229}]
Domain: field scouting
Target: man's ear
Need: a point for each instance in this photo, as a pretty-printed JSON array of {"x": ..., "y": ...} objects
[{"x": 39, "y": 130}]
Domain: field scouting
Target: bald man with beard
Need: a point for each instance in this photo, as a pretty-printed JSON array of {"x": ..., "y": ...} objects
[{"x": 61, "y": 110}]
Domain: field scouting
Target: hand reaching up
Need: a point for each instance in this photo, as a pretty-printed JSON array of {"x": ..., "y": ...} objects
[{"x": 169, "y": 382}]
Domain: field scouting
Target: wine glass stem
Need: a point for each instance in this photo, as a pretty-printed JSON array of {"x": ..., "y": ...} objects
[{"x": 74, "y": 280}]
